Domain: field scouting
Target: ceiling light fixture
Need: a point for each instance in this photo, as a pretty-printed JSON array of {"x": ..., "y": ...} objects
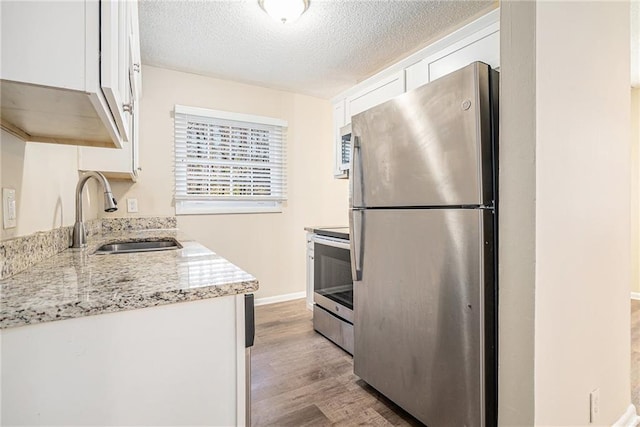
[{"x": 284, "y": 11}]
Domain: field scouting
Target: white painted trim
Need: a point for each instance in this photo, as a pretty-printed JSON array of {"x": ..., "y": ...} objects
[
  {"x": 635, "y": 295},
  {"x": 280, "y": 298},
  {"x": 629, "y": 418},
  {"x": 216, "y": 207}
]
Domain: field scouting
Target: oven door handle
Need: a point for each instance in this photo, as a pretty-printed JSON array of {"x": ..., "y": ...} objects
[
  {"x": 340, "y": 244},
  {"x": 356, "y": 228}
]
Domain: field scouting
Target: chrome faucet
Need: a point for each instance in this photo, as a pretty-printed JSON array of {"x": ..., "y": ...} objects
[{"x": 79, "y": 234}]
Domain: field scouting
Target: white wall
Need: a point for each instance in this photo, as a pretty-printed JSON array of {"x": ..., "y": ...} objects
[
  {"x": 44, "y": 177},
  {"x": 516, "y": 265},
  {"x": 269, "y": 246},
  {"x": 583, "y": 179},
  {"x": 582, "y": 246}
]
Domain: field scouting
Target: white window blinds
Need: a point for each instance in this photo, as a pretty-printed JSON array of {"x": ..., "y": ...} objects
[{"x": 228, "y": 162}]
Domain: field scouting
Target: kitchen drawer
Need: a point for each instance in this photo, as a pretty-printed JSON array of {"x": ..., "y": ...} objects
[{"x": 337, "y": 330}]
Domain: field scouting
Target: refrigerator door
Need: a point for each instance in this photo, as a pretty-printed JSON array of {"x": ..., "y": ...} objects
[
  {"x": 428, "y": 147},
  {"x": 419, "y": 310}
]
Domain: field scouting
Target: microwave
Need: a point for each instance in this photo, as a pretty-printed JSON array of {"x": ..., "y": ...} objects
[{"x": 344, "y": 151}]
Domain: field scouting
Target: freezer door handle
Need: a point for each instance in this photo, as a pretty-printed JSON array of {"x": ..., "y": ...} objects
[
  {"x": 356, "y": 226},
  {"x": 356, "y": 183}
]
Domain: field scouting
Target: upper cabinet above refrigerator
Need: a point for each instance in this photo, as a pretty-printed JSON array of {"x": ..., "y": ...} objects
[
  {"x": 432, "y": 146},
  {"x": 66, "y": 72},
  {"x": 478, "y": 41}
]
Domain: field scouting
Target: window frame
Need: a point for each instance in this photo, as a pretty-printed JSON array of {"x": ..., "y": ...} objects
[{"x": 201, "y": 205}]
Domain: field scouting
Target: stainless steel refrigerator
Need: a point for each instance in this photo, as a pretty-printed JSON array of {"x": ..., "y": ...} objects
[{"x": 423, "y": 225}]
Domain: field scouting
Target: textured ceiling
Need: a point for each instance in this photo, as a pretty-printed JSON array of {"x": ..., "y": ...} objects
[{"x": 333, "y": 46}]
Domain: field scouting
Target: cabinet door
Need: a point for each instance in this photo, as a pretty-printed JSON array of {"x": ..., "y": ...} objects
[
  {"x": 134, "y": 45},
  {"x": 383, "y": 90},
  {"x": 43, "y": 43},
  {"x": 114, "y": 67},
  {"x": 417, "y": 74},
  {"x": 120, "y": 368},
  {"x": 486, "y": 49},
  {"x": 113, "y": 163},
  {"x": 122, "y": 163},
  {"x": 378, "y": 93}
]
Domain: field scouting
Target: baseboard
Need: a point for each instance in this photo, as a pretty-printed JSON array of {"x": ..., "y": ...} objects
[
  {"x": 635, "y": 295},
  {"x": 629, "y": 418},
  {"x": 280, "y": 298}
]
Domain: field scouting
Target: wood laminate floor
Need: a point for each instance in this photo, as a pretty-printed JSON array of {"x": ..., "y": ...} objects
[
  {"x": 299, "y": 378},
  {"x": 635, "y": 353}
]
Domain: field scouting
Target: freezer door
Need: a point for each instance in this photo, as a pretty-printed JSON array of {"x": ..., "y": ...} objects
[
  {"x": 428, "y": 147},
  {"x": 419, "y": 329}
]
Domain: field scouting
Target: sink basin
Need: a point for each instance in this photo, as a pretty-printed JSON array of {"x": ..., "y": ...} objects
[{"x": 140, "y": 246}]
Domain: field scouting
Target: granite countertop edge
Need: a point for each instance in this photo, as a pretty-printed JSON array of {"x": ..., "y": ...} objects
[
  {"x": 220, "y": 278},
  {"x": 79, "y": 310}
]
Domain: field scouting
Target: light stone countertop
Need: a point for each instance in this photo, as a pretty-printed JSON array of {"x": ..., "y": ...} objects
[{"x": 77, "y": 283}]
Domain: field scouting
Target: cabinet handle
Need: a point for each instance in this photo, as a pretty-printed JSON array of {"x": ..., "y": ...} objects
[{"x": 128, "y": 108}]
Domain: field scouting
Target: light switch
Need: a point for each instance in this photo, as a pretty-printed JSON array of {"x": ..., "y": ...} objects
[
  {"x": 132, "y": 205},
  {"x": 9, "y": 208}
]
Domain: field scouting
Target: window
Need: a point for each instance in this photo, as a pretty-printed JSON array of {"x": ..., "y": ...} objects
[{"x": 228, "y": 162}]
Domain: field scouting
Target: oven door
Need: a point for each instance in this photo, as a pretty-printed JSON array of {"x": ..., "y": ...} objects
[{"x": 332, "y": 281}]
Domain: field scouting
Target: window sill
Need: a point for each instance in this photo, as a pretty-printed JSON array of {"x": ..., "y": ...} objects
[{"x": 186, "y": 208}]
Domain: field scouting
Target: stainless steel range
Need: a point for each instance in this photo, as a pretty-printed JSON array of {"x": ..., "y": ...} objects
[{"x": 333, "y": 286}]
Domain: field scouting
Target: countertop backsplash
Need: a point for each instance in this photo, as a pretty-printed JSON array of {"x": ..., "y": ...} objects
[{"x": 22, "y": 252}]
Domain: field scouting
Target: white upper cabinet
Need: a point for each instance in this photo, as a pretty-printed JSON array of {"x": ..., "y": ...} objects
[
  {"x": 379, "y": 92},
  {"x": 483, "y": 45},
  {"x": 417, "y": 74},
  {"x": 114, "y": 67},
  {"x": 39, "y": 33},
  {"x": 124, "y": 93},
  {"x": 478, "y": 41},
  {"x": 57, "y": 84},
  {"x": 485, "y": 49}
]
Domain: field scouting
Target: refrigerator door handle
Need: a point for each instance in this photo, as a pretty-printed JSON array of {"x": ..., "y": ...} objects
[
  {"x": 356, "y": 225},
  {"x": 356, "y": 183}
]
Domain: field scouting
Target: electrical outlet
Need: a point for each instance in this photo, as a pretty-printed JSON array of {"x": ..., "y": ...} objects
[
  {"x": 594, "y": 405},
  {"x": 9, "y": 207},
  {"x": 132, "y": 205}
]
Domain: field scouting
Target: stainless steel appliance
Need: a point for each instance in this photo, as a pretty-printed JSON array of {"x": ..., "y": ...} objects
[
  {"x": 423, "y": 227},
  {"x": 333, "y": 286},
  {"x": 345, "y": 150}
]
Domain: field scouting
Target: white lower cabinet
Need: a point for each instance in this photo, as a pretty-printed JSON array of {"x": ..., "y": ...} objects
[
  {"x": 310, "y": 273},
  {"x": 177, "y": 364}
]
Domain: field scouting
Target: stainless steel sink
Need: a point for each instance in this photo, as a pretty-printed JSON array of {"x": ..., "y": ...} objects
[{"x": 140, "y": 246}]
